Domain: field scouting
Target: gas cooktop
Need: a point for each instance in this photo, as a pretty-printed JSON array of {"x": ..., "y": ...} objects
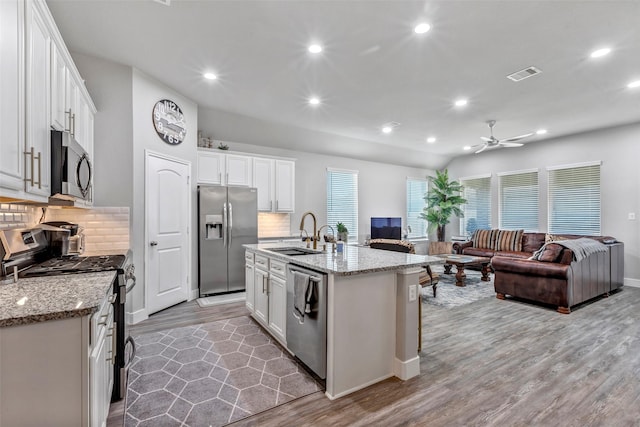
[{"x": 75, "y": 264}]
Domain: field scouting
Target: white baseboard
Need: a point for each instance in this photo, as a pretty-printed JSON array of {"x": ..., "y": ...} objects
[
  {"x": 360, "y": 387},
  {"x": 406, "y": 369},
  {"x": 194, "y": 294},
  {"x": 137, "y": 316},
  {"x": 634, "y": 283}
]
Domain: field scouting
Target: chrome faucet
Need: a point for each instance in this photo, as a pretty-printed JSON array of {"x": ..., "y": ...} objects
[
  {"x": 315, "y": 229},
  {"x": 333, "y": 233}
]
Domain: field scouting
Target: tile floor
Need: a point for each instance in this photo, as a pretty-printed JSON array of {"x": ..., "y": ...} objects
[{"x": 210, "y": 374}]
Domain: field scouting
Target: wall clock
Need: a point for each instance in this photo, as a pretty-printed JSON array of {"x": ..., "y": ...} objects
[{"x": 169, "y": 122}]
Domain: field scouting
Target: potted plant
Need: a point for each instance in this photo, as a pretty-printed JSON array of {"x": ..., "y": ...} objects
[
  {"x": 443, "y": 200},
  {"x": 342, "y": 232}
]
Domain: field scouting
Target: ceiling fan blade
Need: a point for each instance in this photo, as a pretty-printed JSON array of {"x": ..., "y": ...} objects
[
  {"x": 484, "y": 147},
  {"x": 484, "y": 138},
  {"x": 516, "y": 138},
  {"x": 510, "y": 144}
]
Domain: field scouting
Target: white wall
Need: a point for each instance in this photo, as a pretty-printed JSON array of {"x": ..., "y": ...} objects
[
  {"x": 146, "y": 92},
  {"x": 381, "y": 187},
  {"x": 110, "y": 87},
  {"x": 619, "y": 150}
]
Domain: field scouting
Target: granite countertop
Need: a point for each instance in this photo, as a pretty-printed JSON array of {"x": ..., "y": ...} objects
[
  {"x": 354, "y": 259},
  {"x": 39, "y": 299}
]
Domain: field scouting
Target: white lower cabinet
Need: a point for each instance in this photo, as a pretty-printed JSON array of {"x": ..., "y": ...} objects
[
  {"x": 278, "y": 299},
  {"x": 58, "y": 372},
  {"x": 261, "y": 294},
  {"x": 249, "y": 278},
  {"x": 268, "y": 291},
  {"x": 101, "y": 369}
]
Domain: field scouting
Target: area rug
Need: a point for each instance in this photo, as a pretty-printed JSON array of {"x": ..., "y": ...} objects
[
  {"x": 210, "y": 375},
  {"x": 449, "y": 295}
]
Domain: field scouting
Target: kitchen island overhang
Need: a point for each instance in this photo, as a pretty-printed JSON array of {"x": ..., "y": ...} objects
[{"x": 372, "y": 313}]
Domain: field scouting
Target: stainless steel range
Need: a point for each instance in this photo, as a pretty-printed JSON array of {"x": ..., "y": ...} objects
[{"x": 24, "y": 253}]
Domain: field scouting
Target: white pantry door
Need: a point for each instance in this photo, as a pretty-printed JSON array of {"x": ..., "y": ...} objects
[{"x": 168, "y": 209}]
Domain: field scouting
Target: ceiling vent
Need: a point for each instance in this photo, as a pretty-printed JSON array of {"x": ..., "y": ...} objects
[{"x": 523, "y": 74}]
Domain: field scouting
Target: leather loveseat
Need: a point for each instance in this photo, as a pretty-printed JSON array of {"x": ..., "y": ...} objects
[{"x": 555, "y": 277}]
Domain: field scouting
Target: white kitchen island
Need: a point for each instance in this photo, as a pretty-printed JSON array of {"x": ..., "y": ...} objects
[{"x": 372, "y": 312}]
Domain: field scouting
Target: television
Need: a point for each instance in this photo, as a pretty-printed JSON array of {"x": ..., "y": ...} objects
[{"x": 386, "y": 228}]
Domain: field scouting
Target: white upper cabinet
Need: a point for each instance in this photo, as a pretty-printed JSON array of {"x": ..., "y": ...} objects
[
  {"x": 34, "y": 68},
  {"x": 275, "y": 181},
  {"x": 238, "y": 170},
  {"x": 12, "y": 99},
  {"x": 210, "y": 167},
  {"x": 263, "y": 181},
  {"x": 285, "y": 185},
  {"x": 58, "y": 89},
  {"x": 38, "y": 145}
]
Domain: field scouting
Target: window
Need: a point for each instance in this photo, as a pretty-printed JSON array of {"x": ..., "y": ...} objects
[
  {"x": 416, "y": 189},
  {"x": 519, "y": 200},
  {"x": 574, "y": 199},
  {"x": 342, "y": 199},
  {"x": 477, "y": 210}
]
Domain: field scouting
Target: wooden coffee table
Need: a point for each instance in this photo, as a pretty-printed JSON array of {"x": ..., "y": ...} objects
[{"x": 462, "y": 261}]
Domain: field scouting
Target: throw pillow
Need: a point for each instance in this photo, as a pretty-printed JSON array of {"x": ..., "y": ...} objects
[
  {"x": 484, "y": 239},
  {"x": 553, "y": 238},
  {"x": 509, "y": 240},
  {"x": 551, "y": 253}
]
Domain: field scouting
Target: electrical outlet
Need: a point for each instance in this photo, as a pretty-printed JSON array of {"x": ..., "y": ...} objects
[
  {"x": 632, "y": 216},
  {"x": 413, "y": 294}
]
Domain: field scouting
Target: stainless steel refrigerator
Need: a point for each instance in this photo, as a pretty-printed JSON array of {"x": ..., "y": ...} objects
[{"x": 227, "y": 219}]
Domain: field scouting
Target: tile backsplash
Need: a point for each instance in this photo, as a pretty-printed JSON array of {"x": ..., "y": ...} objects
[
  {"x": 274, "y": 225},
  {"x": 18, "y": 216},
  {"x": 106, "y": 230}
]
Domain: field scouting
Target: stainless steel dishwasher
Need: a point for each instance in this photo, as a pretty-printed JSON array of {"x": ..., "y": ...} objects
[{"x": 308, "y": 339}]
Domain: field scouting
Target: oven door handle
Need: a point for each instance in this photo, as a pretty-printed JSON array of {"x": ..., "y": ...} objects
[
  {"x": 132, "y": 285},
  {"x": 131, "y": 341}
]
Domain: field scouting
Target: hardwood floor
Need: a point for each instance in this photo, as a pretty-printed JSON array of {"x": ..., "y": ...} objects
[{"x": 489, "y": 363}]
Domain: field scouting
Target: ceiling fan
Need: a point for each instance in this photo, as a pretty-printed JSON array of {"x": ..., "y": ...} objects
[{"x": 492, "y": 141}]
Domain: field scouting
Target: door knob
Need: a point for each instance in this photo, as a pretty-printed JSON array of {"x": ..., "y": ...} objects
[{"x": 153, "y": 243}]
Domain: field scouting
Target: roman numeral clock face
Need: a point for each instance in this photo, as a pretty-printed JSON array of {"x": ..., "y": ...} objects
[{"x": 169, "y": 122}]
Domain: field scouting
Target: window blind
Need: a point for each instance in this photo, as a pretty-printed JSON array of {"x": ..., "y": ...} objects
[
  {"x": 574, "y": 200},
  {"x": 519, "y": 200},
  {"x": 477, "y": 210},
  {"x": 416, "y": 189},
  {"x": 342, "y": 200}
]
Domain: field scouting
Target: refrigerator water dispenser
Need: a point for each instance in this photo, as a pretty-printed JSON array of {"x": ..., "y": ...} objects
[{"x": 213, "y": 227}]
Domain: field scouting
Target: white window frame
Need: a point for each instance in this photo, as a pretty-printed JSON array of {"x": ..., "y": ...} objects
[
  {"x": 520, "y": 210},
  {"x": 464, "y": 181},
  {"x": 587, "y": 199},
  {"x": 348, "y": 215},
  {"x": 418, "y": 225}
]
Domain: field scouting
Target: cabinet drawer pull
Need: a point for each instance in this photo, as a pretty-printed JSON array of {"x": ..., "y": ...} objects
[
  {"x": 32, "y": 154},
  {"x": 68, "y": 112}
]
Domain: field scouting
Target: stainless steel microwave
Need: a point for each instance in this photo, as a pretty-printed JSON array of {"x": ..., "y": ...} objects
[{"x": 71, "y": 168}]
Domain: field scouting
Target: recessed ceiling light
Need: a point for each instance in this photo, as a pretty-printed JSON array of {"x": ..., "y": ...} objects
[
  {"x": 387, "y": 129},
  {"x": 422, "y": 28},
  {"x": 466, "y": 148},
  {"x": 600, "y": 52},
  {"x": 314, "y": 101},
  {"x": 461, "y": 102},
  {"x": 210, "y": 76},
  {"x": 541, "y": 131},
  {"x": 315, "y": 48},
  {"x": 633, "y": 85},
  {"x": 431, "y": 139}
]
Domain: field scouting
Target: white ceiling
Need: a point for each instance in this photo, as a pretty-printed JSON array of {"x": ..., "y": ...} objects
[{"x": 374, "y": 69}]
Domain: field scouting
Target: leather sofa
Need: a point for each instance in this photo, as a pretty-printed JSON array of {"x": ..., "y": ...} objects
[{"x": 555, "y": 278}]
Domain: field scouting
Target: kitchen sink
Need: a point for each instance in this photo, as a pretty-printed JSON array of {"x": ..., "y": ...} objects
[{"x": 294, "y": 251}]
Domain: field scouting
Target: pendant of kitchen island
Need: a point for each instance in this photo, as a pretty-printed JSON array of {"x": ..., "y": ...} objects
[{"x": 169, "y": 122}]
